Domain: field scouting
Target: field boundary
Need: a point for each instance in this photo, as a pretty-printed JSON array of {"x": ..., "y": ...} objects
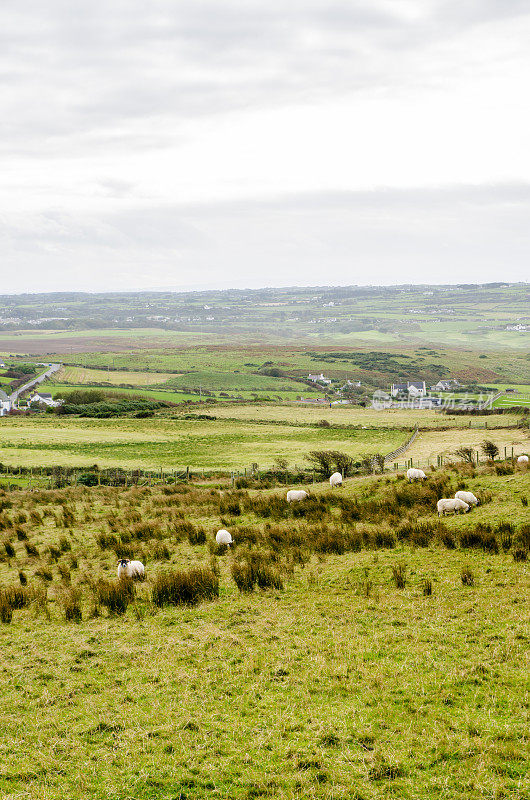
[{"x": 404, "y": 447}]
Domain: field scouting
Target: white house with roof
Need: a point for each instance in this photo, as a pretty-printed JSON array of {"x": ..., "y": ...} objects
[
  {"x": 319, "y": 379},
  {"x": 5, "y": 404},
  {"x": 445, "y": 386},
  {"x": 410, "y": 388},
  {"x": 44, "y": 398}
]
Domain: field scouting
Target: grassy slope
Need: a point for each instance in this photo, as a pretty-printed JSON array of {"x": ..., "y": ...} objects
[{"x": 317, "y": 691}]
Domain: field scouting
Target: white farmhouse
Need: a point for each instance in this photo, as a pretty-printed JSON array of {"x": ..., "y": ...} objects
[
  {"x": 44, "y": 398},
  {"x": 5, "y": 404},
  {"x": 411, "y": 388},
  {"x": 319, "y": 379}
]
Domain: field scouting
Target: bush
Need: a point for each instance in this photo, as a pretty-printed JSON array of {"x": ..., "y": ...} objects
[
  {"x": 185, "y": 587},
  {"x": 88, "y": 479}
]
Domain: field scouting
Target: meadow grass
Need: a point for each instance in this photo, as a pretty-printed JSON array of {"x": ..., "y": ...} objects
[
  {"x": 175, "y": 442},
  {"x": 341, "y": 685},
  {"x": 82, "y": 375}
]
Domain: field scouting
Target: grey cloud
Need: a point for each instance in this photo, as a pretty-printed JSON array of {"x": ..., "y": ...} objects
[
  {"x": 70, "y": 68},
  {"x": 435, "y": 236}
]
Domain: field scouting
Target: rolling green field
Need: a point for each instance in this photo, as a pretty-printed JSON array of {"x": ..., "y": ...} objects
[
  {"x": 175, "y": 443},
  {"x": 338, "y": 685}
]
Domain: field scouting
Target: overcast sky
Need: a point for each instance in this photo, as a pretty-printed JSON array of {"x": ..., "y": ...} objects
[{"x": 217, "y": 143}]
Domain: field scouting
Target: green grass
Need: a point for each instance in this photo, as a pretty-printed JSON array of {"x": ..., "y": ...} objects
[
  {"x": 340, "y": 686},
  {"x": 175, "y": 443}
]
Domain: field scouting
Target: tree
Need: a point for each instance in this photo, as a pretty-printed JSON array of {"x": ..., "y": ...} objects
[
  {"x": 489, "y": 449},
  {"x": 326, "y": 462},
  {"x": 467, "y": 454}
]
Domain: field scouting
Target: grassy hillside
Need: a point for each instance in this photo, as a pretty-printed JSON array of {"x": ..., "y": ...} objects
[{"x": 339, "y": 685}]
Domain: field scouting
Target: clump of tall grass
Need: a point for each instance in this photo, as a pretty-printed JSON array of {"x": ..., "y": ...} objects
[
  {"x": 70, "y": 602},
  {"x": 185, "y": 587},
  {"x": 467, "y": 577},
  {"x": 256, "y": 568},
  {"x": 115, "y": 595},
  {"x": 31, "y": 550},
  {"x": 399, "y": 575},
  {"x": 426, "y": 587},
  {"x": 17, "y": 596}
]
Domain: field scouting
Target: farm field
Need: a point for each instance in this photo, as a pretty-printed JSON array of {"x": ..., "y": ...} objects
[
  {"x": 352, "y": 415},
  {"x": 82, "y": 375},
  {"x": 175, "y": 443},
  {"x": 338, "y": 685},
  {"x": 429, "y": 444}
]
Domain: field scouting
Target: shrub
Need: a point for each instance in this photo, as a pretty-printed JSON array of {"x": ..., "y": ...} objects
[
  {"x": 185, "y": 587},
  {"x": 115, "y": 595}
]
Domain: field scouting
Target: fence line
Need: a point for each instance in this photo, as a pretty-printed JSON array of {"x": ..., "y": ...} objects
[{"x": 404, "y": 447}]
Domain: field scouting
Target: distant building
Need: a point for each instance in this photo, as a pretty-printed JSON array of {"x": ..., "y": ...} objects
[
  {"x": 5, "y": 404},
  {"x": 410, "y": 388},
  {"x": 319, "y": 379},
  {"x": 445, "y": 386},
  {"x": 44, "y": 398}
]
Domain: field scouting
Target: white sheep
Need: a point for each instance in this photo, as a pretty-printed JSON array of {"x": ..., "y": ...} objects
[
  {"x": 335, "y": 480},
  {"x": 223, "y": 537},
  {"x": 130, "y": 569},
  {"x": 446, "y": 505},
  {"x": 296, "y": 495},
  {"x": 415, "y": 475},
  {"x": 467, "y": 497},
  {"x": 522, "y": 460}
]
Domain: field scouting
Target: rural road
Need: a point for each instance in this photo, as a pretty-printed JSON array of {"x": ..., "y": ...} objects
[{"x": 34, "y": 382}]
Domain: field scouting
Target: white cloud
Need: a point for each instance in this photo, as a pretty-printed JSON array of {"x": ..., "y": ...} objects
[{"x": 117, "y": 116}]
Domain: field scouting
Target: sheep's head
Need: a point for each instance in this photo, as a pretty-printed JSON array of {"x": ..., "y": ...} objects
[{"x": 123, "y": 562}]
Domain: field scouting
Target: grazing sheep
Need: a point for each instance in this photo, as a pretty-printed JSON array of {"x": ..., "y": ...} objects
[
  {"x": 467, "y": 497},
  {"x": 415, "y": 475},
  {"x": 446, "y": 505},
  {"x": 295, "y": 495},
  {"x": 223, "y": 537},
  {"x": 130, "y": 569},
  {"x": 335, "y": 480},
  {"x": 522, "y": 460}
]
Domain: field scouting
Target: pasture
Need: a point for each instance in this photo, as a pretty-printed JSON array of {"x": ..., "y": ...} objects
[
  {"x": 230, "y": 442},
  {"x": 173, "y": 442},
  {"x": 341, "y": 682}
]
